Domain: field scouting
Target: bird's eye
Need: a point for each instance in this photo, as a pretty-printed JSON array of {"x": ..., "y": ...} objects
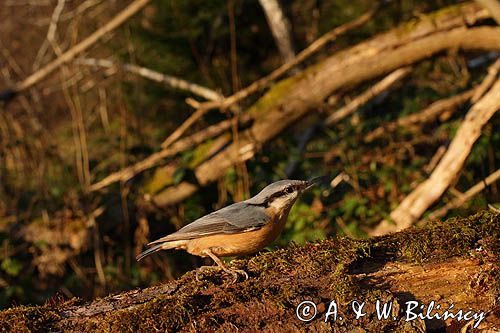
[{"x": 289, "y": 190}]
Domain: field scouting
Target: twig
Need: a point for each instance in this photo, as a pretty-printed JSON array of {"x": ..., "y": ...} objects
[
  {"x": 487, "y": 81},
  {"x": 426, "y": 115},
  {"x": 150, "y": 74},
  {"x": 184, "y": 126},
  {"x": 304, "y": 54},
  {"x": 415, "y": 204},
  {"x": 70, "y": 54},
  {"x": 51, "y": 33},
  {"x": 458, "y": 201},
  {"x": 381, "y": 86},
  {"x": 435, "y": 159},
  {"x": 169, "y": 80},
  {"x": 152, "y": 160}
]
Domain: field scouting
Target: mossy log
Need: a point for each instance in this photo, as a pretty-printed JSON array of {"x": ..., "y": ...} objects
[{"x": 452, "y": 262}]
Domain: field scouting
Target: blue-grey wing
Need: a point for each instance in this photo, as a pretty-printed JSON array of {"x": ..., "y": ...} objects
[{"x": 236, "y": 218}]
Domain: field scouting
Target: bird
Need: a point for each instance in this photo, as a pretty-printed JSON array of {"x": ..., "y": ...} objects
[{"x": 242, "y": 228}]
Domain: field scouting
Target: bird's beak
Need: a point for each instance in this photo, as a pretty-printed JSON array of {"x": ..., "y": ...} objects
[{"x": 314, "y": 181}]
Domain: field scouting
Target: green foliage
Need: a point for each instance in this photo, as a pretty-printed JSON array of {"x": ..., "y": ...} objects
[
  {"x": 301, "y": 226},
  {"x": 11, "y": 266}
]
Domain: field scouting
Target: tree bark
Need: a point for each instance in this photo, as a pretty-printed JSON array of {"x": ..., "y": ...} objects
[
  {"x": 280, "y": 28},
  {"x": 493, "y": 6}
]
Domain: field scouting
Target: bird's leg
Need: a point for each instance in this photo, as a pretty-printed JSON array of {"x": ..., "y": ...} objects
[{"x": 220, "y": 265}]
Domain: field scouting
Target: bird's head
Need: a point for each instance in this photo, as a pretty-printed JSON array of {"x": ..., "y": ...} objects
[{"x": 282, "y": 194}]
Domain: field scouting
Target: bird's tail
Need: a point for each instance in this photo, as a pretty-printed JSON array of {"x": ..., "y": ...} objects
[
  {"x": 161, "y": 246},
  {"x": 149, "y": 251}
]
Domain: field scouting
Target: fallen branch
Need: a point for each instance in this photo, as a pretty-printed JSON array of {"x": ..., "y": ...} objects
[
  {"x": 326, "y": 79},
  {"x": 417, "y": 202},
  {"x": 154, "y": 159},
  {"x": 487, "y": 82},
  {"x": 70, "y": 54},
  {"x": 291, "y": 98},
  {"x": 427, "y": 115},
  {"x": 377, "y": 89},
  {"x": 470, "y": 193},
  {"x": 303, "y": 55},
  {"x": 152, "y": 75},
  {"x": 493, "y": 6}
]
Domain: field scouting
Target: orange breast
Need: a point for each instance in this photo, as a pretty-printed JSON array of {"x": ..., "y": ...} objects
[{"x": 241, "y": 243}]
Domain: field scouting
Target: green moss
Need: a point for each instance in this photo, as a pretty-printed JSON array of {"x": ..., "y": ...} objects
[
  {"x": 27, "y": 319},
  {"x": 200, "y": 153},
  {"x": 271, "y": 98},
  {"x": 160, "y": 179},
  {"x": 160, "y": 314}
]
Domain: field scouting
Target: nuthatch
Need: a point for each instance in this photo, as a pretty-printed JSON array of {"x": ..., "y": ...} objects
[{"x": 239, "y": 229}]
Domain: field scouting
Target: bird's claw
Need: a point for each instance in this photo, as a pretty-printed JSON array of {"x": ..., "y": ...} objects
[{"x": 233, "y": 272}]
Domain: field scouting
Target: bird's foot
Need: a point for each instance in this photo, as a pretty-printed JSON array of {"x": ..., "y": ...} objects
[{"x": 234, "y": 272}]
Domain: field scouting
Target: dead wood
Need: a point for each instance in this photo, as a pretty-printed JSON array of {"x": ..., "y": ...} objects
[
  {"x": 301, "y": 56},
  {"x": 74, "y": 51},
  {"x": 307, "y": 90},
  {"x": 280, "y": 28},
  {"x": 454, "y": 262},
  {"x": 377, "y": 89},
  {"x": 171, "y": 81},
  {"x": 429, "y": 114},
  {"x": 422, "y": 197},
  {"x": 177, "y": 147},
  {"x": 469, "y": 194},
  {"x": 488, "y": 81},
  {"x": 493, "y": 6}
]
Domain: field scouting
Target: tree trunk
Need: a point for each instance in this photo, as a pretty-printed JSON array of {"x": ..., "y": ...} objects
[{"x": 280, "y": 28}]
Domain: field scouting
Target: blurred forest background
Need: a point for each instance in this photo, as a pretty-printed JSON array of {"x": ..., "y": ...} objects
[{"x": 149, "y": 91}]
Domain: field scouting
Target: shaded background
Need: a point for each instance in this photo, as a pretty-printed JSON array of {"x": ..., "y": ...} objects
[{"x": 83, "y": 123}]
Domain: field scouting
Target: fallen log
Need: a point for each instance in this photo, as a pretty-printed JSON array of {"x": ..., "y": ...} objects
[{"x": 453, "y": 262}]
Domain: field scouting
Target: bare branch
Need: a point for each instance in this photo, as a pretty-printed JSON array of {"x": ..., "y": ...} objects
[
  {"x": 428, "y": 114},
  {"x": 150, "y": 74},
  {"x": 377, "y": 89},
  {"x": 330, "y": 76},
  {"x": 470, "y": 193},
  {"x": 487, "y": 82},
  {"x": 51, "y": 33},
  {"x": 154, "y": 159},
  {"x": 304, "y": 54},
  {"x": 493, "y": 6},
  {"x": 417, "y": 202},
  {"x": 70, "y": 54}
]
